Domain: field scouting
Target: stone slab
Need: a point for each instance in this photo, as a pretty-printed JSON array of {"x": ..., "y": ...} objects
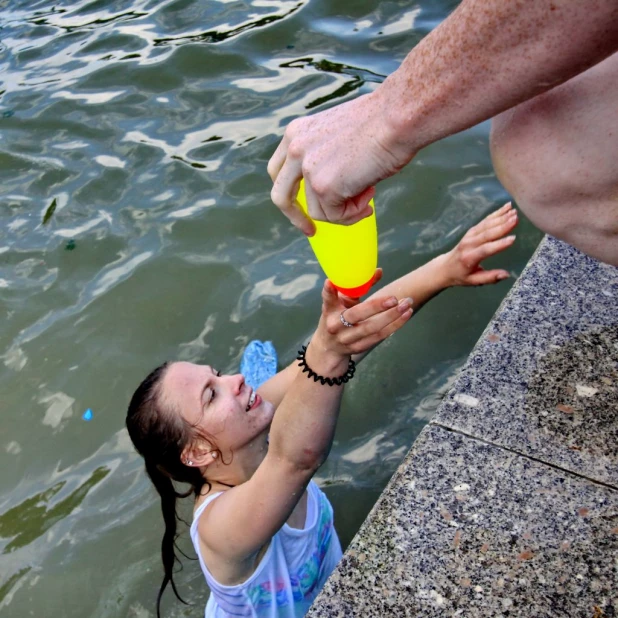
[
  {"x": 543, "y": 378},
  {"x": 465, "y": 528}
]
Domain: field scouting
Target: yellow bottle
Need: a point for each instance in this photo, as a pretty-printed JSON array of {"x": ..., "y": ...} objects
[{"x": 348, "y": 254}]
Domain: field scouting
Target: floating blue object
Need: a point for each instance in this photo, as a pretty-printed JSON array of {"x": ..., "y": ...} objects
[
  {"x": 258, "y": 363},
  {"x": 87, "y": 415}
]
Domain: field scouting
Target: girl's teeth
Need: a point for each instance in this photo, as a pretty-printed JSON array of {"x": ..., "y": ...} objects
[{"x": 251, "y": 400}]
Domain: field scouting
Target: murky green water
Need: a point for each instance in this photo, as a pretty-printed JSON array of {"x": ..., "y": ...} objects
[{"x": 136, "y": 225}]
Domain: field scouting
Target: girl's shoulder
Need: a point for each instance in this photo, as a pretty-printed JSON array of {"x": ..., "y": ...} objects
[{"x": 203, "y": 500}]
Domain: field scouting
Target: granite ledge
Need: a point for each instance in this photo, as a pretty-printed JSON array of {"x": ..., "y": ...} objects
[
  {"x": 465, "y": 528},
  {"x": 507, "y": 503},
  {"x": 543, "y": 378}
]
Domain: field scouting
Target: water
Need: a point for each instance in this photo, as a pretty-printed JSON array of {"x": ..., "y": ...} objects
[{"x": 136, "y": 226}]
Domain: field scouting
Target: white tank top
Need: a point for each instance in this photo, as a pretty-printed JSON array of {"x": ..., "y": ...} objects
[{"x": 291, "y": 572}]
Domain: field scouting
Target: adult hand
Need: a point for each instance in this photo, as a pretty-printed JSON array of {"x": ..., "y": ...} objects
[
  {"x": 373, "y": 320},
  {"x": 463, "y": 262},
  {"x": 341, "y": 153}
]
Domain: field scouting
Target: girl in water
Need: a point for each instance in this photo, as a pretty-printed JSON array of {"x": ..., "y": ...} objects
[{"x": 262, "y": 529}]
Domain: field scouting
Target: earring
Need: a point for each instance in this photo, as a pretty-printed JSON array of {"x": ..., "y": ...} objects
[
  {"x": 214, "y": 454},
  {"x": 189, "y": 462}
]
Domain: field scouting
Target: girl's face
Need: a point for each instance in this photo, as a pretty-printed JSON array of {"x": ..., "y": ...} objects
[{"x": 221, "y": 405}]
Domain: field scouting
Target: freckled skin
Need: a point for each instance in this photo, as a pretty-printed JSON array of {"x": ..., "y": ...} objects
[
  {"x": 490, "y": 55},
  {"x": 556, "y": 155},
  {"x": 487, "y": 57}
]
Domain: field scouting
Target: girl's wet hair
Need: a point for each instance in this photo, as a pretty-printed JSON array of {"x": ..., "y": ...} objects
[{"x": 160, "y": 434}]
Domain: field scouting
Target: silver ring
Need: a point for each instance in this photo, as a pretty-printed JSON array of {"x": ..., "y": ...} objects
[{"x": 344, "y": 321}]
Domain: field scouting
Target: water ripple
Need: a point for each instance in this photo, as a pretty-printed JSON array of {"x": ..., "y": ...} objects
[{"x": 136, "y": 226}]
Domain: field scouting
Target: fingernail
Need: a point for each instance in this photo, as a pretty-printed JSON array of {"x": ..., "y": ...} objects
[
  {"x": 510, "y": 238},
  {"x": 390, "y": 302},
  {"x": 502, "y": 276},
  {"x": 404, "y": 305}
]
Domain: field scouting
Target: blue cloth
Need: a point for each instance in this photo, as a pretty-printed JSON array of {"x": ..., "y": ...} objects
[{"x": 258, "y": 363}]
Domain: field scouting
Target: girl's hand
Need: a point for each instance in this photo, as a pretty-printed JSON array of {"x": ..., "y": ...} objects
[
  {"x": 373, "y": 320},
  {"x": 348, "y": 301},
  {"x": 463, "y": 263}
]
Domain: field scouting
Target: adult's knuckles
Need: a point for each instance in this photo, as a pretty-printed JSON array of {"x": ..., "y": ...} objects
[
  {"x": 277, "y": 199},
  {"x": 321, "y": 185},
  {"x": 296, "y": 149}
]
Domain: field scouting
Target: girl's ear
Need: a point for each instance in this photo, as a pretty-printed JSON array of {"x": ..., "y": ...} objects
[{"x": 198, "y": 455}]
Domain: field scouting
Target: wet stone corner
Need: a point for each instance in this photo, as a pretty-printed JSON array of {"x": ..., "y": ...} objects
[
  {"x": 543, "y": 378},
  {"x": 469, "y": 529}
]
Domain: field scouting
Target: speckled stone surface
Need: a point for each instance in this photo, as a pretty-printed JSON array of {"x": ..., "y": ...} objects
[
  {"x": 543, "y": 378},
  {"x": 507, "y": 504},
  {"x": 469, "y": 529}
]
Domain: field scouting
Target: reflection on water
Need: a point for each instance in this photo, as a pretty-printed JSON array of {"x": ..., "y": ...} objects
[
  {"x": 220, "y": 35},
  {"x": 136, "y": 226},
  {"x": 33, "y": 517},
  {"x": 10, "y": 583},
  {"x": 360, "y": 77}
]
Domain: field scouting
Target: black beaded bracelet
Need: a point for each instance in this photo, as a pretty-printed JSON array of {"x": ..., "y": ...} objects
[{"x": 348, "y": 375}]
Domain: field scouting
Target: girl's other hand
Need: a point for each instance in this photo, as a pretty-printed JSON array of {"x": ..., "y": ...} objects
[{"x": 463, "y": 262}]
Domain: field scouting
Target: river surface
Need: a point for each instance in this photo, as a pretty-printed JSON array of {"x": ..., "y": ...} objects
[{"x": 136, "y": 226}]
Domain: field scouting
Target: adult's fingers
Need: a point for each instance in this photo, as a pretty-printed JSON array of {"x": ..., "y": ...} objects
[
  {"x": 314, "y": 208},
  {"x": 357, "y": 208},
  {"x": 350, "y": 214},
  {"x": 283, "y": 195},
  {"x": 324, "y": 206},
  {"x": 278, "y": 159},
  {"x": 362, "y": 199}
]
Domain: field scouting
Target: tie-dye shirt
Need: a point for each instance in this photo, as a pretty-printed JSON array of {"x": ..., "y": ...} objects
[{"x": 291, "y": 572}]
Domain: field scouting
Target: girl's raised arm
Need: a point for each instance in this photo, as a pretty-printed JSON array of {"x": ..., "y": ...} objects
[{"x": 238, "y": 524}]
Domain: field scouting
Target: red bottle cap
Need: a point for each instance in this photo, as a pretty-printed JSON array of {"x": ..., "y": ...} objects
[{"x": 355, "y": 292}]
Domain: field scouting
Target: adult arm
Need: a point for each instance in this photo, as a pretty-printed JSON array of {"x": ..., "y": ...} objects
[{"x": 486, "y": 57}]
